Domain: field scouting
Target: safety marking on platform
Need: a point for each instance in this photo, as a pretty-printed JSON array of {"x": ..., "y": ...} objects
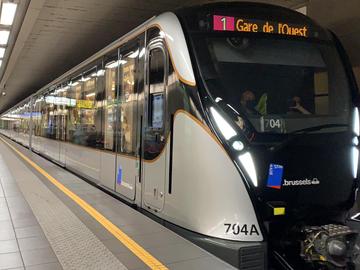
[
  {"x": 134, "y": 247},
  {"x": 74, "y": 244}
]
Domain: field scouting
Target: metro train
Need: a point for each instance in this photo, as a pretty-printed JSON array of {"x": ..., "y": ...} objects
[{"x": 235, "y": 122}]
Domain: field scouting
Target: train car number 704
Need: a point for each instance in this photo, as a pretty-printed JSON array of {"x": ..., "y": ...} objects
[{"x": 236, "y": 229}]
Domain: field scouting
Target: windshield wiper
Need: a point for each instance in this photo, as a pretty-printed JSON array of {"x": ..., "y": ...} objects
[{"x": 304, "y": 131}]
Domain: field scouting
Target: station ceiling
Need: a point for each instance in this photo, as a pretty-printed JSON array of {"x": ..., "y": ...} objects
[{"x": 51, "y": 36}]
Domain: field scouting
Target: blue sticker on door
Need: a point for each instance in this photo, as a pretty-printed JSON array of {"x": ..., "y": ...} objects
[
  {"x": 275, "y": 176},
  {"x": 119, "y": 176}
]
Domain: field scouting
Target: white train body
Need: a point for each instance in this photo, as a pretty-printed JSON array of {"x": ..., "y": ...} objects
[{"x": 151, "y": 134}]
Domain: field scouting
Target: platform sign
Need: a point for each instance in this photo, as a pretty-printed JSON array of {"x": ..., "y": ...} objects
[
  {"x": 275, "y": 176},
  {"x": 85, "y": 104},
  {"x": 238, "y": 24}
]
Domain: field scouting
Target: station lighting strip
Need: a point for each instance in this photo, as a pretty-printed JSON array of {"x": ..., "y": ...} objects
[{"x": 7, "y": 16}]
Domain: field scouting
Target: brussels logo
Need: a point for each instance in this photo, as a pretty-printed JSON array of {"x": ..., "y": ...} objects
[{"x": 302, "y": 182}]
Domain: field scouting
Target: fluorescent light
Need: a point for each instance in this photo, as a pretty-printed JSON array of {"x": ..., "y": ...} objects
[
  {"x": 134, "y": 54},
  {"x": 101, "y": 72},
  {"x": 91, "y": 94},
  {"x": 2, "y": 52},
  {"x": 85, "y": 79},
  {"x": 63, "y": 89},
  {"x": 356, "y": 123},
  {"x": 8, "y": 13},
  {"x": 74, "y": 83},
  {"x": 142, "y": 52},
  {"x": 112, "y": 64},
  {"x": 248, "y": 164},
  {"x": 4, "y": 37},
  {"x": 355, "y": 161},
  {"x": 227, "y": 131}
]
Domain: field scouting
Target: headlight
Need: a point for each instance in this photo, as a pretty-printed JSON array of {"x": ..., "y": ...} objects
[
  {"x": 227, "y": 131},
  {"x": 249, "y": 165}
]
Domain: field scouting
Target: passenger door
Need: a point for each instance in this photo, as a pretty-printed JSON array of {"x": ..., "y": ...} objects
[
  {"x": 154, "y": 141},
  {"x": 127, "y": 127}
]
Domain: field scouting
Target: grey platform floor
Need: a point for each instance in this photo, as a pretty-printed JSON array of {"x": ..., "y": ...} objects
[{"x": 24, "y": 245}]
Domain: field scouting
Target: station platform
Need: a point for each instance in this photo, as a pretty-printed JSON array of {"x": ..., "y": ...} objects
[{"x": 51, "y": 219}]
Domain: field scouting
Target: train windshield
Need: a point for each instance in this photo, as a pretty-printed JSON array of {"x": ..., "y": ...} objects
[{"x": 280, "y": 85}]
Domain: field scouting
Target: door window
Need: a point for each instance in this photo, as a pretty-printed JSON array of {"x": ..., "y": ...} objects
[
  {"x": 154, "y": 140},
  {"x": 156, "y": 88},
  {"x": 128, "y": 99},
  {"x": 111, "y": 92}
]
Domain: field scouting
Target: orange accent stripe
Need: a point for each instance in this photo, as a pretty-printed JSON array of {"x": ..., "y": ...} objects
[
  {"x": 171, "y": 58},
  {"x": 205, "y": 127}
]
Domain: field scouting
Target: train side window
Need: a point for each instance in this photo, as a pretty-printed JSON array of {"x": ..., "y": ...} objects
[
  {"x": 87, "y": 107},
  {"x": 73, "y": 128},
  {"x": 156, "y": 88},
  {"x": 35, "y": 116},
  {"x": 128, "y": 98},
  {"x": 110, "y": 99},
  {"x": 99, "y": 100},
  {"x": 59, "y": 113},
  {"x": 24, "y": 118},
  {"x": 152, "y": 33},
  {"x": 43, "y": 116},
  {"x": 39, "y": 104},
  {"x": 49, "y": 123}
]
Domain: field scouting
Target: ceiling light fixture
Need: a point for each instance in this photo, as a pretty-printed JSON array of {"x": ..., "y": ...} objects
[
  {"x": 4, "y": 37},
  {"x": 142, "y": 52},
  {"x": 8, "y": 11},
  {"x": 2, "y": 52},
  {"x": 112, "y": 64},
  {"x": 91, "y": 94},
  {"x": 134, "y": 54}
]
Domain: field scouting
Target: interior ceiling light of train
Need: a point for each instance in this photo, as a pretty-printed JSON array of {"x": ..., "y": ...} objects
[{"x": 7, "y": 15}]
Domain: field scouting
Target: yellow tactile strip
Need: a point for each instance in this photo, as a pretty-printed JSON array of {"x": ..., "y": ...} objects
[
  {"x": 75, "y": 246},
  {"x": 139, "y": 251}
]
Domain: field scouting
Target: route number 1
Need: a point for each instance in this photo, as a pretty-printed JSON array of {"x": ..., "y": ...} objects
[{"x": 223, "y": 20}]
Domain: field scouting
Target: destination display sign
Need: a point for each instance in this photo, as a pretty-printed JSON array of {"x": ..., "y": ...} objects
[{"x": 238, "y": 24}]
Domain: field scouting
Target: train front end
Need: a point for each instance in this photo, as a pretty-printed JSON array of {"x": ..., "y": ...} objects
[{"x": 278, "y": 92}]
